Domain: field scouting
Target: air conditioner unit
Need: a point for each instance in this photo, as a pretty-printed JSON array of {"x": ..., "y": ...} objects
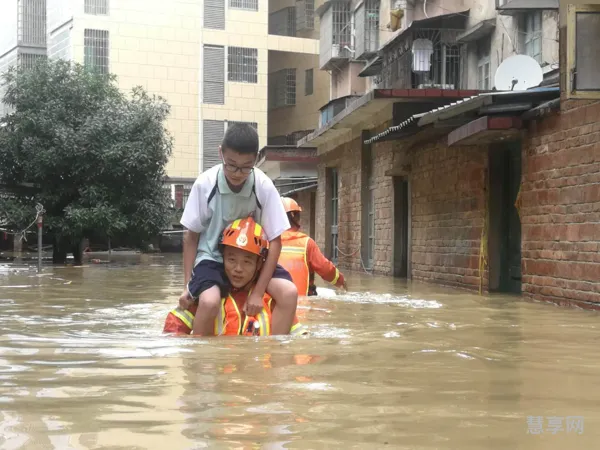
[{"x": 335, "y": 50}]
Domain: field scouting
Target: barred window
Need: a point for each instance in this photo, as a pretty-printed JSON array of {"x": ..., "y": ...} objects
[
  {"x": 282, "y": 88},
  {"x": 31, "y": 23},
  {"x": 249, "y": 5},
  {"x": 96, "y": 7},
  {"x": 29, "y": 60},
  {"x": 96, "y": 50},
  {"x": 242, "y": 64}
]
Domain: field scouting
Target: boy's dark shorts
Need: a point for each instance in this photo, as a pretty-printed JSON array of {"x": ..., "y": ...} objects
[{"x": 209, "y": 273}]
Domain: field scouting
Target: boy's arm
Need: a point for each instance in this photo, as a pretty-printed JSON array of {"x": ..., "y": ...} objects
[
  {"x": 320, "y": 264},
  {"x": 195, "y": 210}
]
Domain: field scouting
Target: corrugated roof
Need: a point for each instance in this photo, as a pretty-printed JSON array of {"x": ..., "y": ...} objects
[{"x": 456, "y": 108}]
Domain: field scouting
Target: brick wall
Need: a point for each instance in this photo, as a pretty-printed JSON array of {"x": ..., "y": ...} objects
[
  {"x": 560, "y": 213},
  {"x": 346, "y": 158},
  {"x": 383, "y": 155},
  {"x": 448, "y": 210}
]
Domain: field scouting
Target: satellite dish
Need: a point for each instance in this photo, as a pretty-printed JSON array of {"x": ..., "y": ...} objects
[{"x": 518, "y": 73}]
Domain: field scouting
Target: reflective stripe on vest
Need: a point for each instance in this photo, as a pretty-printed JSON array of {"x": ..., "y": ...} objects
[
  {"x": 298, "y": 329},
  {"x": 293, "y": 259},
  {"x": 185, "y": 316},
  {"x": 221, "y": 324}
]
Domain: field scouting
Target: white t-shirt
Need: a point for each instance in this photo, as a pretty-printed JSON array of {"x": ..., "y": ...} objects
[{"x": 226, "y": 206}]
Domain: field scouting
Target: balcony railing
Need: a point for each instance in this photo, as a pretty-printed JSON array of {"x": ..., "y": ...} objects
[
  {"x": 366, "y": 23},
  {"x": 336, "y": 34},
  {"x": 283, "y": 22},
  {"x": 425, "y": 58}
]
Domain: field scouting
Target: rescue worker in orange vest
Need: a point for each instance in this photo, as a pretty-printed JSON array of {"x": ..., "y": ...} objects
[
  {"x": 244, "y": 245},
  {"x": 301, "y": 256}
]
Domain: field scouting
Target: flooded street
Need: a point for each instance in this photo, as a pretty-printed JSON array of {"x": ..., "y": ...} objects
[{"x": 388, "y": 365}]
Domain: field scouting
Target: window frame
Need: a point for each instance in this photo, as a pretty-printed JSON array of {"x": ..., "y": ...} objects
[
  {"x": 530, "y": 36},
  {"x": 238, "y": 77},
  {"x": 571, "y": 46}
]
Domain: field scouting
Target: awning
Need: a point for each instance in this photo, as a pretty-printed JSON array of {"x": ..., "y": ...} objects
[
  {"x": 373, "y": 67},
  {"x": 288, "y": 153},
  {"x": 365, "y": 107},
  {"x": 459, "y": 113},
  {"x": 454, "y": 21},
  {"x": 512, "y": 7},
  {"x": 481, "y": 30}
]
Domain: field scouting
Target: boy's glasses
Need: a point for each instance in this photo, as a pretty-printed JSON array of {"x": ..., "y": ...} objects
[{"x": 233, "y": 168}]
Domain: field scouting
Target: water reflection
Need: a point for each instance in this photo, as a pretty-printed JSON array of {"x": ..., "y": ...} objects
[{"x": 389, "y": 365}]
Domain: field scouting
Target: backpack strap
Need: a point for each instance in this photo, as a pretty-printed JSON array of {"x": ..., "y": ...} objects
[
  {"x": 256, "y": 196},
  {"x": 213, "y": 192},
  {"x": 215, "y": 189}
]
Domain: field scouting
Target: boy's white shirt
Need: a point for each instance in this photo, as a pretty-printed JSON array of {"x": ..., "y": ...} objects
[{"x": 199, "y": 217}]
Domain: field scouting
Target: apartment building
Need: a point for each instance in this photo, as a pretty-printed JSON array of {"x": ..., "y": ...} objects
[
  {"x": 427, "y": 171},
  {"x": 216, "y": 62},
  {"x": 22, "y": 35}
]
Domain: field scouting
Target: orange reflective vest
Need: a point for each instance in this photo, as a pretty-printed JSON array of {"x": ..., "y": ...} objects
[
  {"x": 301, "y": 257},
  {"x": 229, "y": 320}
]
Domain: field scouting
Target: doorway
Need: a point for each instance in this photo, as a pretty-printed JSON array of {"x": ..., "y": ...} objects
[
  {"x": 504, "y": 240},
  {"x": 401, "y": 230}
]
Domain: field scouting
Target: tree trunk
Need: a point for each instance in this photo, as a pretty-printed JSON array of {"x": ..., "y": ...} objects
[
  {"x": 59, "y": 254},
  {"x": 77, "y": 249}
]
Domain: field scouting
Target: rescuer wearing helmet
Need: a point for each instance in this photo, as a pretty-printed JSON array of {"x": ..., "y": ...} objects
[
  {"x": 301, "y": 256},
  {"x": 244, "y": 245}
]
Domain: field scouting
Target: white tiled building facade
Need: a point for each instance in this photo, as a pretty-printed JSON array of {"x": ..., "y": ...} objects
[{"x": 209, "y": 59}]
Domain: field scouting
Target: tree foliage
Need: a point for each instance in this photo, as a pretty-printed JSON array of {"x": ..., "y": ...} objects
[{"x": 93, "y": 156}]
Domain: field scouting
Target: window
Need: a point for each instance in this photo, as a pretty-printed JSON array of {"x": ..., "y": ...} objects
[
  {"x": 282, "y": 88},
  {"x": 583, "y": 51},
  {"x": 533, "y": 35},
  {"x": 213, "y": 77},
  {"x": 214, "y": 14},
  {"x": 242, "y": 65},
  {"x": 366, "y": 20},
  {"x": 308, "y": 82},
  {"x": 213, "y": 132},
  {"x": 96, "y": 7},
  {"x": 28, "y": 60},
  {"x": 31, "y": 24},
  {"x": 283, "y": 22},
  {"x": 248, "y": 5},
  {"x": 96, "y": 50},
  {"x": 483, "y": 63},
  {"x": 305, "y": 15}
]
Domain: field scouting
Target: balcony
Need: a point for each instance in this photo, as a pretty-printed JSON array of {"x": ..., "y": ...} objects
[
  {"x": 334, "y": 107},
  {"x": 366, "y": 23},
  {"x": 282, "y": 88},
  {"x": 283, "y": 22},
  {"x": 336, "y": 34}
]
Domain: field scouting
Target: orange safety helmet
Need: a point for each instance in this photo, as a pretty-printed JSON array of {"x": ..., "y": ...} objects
[
  {"x": 247, "y": 235},
  {"x": 290, "y": 205}
]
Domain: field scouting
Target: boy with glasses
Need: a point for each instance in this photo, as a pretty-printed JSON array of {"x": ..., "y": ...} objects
[{"x": 220, "y": 195}]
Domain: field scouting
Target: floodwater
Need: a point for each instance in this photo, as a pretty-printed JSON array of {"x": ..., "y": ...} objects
[{"x": 388, "y": 365}]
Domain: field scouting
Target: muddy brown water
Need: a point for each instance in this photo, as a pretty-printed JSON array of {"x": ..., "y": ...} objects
[{"x": 388, "y": 365}]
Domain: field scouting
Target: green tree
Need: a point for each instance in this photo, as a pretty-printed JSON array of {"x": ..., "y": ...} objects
[{"x": 92, "y": 156}]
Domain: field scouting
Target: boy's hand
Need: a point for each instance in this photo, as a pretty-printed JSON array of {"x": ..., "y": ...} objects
[
  {"x": 254, "y": 304},
  {"x": 186, "y": 300}
]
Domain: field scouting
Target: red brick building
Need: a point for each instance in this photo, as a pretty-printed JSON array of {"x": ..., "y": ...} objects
[{"x": 498, "y": 191}]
